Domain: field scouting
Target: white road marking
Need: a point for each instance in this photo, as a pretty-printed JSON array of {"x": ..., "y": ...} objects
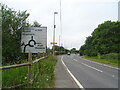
[
  {"x": 77, "y": 82},
  {"x": 113, "y": 75},
  {"x": 75, "y": 60},
  {"x": 92, "y": 67}
]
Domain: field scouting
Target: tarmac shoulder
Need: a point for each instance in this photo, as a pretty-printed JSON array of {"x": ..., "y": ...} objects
[{"x": 62, "y": 77}]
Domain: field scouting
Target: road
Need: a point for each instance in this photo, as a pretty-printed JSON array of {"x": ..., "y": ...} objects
[
  {"x": 90, "y": 74},
  {"x": 62, "y": 77}
]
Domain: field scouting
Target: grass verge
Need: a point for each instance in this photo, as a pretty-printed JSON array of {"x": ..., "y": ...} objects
[
  {"x": 45, "y": 78},
  {"x": 42, "y": 74},
  {"x": 112, "y": 62},
  {"x": 15, "y": 76}
]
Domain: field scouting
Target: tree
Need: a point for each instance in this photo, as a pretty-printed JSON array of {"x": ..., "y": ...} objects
[
  {"x": 103, "y": 40},
  {"x": 73, "y": 50},
  {"x": 13, "y": 23},
  {"x": 60, "y": 50},
  {"x": 36, "y": 24}
]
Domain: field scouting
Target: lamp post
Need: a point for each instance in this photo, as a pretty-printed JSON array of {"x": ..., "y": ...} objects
[
  {"x": 119, "y": 11},
  {"x": 54, "y": 34}
]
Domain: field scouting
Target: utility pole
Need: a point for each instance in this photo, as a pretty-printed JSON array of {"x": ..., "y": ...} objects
[
  {"x": 59, "y": 45},
  {"x": 119, "y": 11},
  {"x": 54, "y": 34}
]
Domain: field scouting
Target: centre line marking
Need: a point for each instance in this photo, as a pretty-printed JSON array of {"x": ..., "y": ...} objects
[
  {"x": 77, "y": 82},
  {"x": 75, "y": 60},
  {"x": 92, "y": 67},
  {"x": 113, "y": 75}
]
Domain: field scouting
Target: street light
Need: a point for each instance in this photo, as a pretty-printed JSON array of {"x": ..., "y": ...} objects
[
  {"x": 54, "y": 34},
  {"x": 119, "y": 11}
]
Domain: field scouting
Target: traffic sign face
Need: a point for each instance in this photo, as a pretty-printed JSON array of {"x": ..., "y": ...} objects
[
  {"x": 53, "y": 43},
  {"x": 34, "y": 39}
]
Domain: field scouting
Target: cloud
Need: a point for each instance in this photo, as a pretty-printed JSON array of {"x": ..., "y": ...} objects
[{"x": 79, "y": 17}]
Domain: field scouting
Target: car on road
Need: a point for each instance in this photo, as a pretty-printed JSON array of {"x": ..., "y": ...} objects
[{"x": 68, "y": 53}]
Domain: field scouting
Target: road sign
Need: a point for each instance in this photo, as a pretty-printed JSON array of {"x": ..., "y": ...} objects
[
  {"x": 34, "y": 39},
  {"x": 53, "y": 43}
]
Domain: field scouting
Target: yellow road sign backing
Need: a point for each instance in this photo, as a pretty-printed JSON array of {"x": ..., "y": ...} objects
[{"x": 53, "y": 43}]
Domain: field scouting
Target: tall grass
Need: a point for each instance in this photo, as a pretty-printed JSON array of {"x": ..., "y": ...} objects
[
  {"x": 110, "y": 59},
  {"x": 0, "y": 79},
  {"x": 15, "y": 76},
  {"x": 45, "y": 78},
  {"x": 43, "y": 71},
  {"x": 110, "y": 56}
]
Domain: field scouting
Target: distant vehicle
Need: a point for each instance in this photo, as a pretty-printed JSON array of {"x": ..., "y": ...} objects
[{"x": 68, "y": 53}]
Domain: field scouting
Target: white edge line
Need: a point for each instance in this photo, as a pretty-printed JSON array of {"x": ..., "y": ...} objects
[
  {"x": 92, "y": 67},
  {"x": 77, "y": 82}
]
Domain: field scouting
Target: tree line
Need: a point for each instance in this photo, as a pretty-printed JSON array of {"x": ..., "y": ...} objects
[
  {"x": 104, "y": 39},
  {"x": 13, "y": 23}
]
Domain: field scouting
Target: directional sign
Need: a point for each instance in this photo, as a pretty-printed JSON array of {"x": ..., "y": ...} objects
[
  {"x": 34, "y": 40},
  {"x": 53, "y": 43}
]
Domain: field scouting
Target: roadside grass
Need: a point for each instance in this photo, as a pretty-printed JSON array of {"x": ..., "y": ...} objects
[
  {"x": 44, "y": 79},
  {"x": 0, "y": 79},
  {"x": 15, "y": 76},
  {"x": 108, "y": 61}
]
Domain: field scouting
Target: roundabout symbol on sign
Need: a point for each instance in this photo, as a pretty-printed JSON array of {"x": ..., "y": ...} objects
[{"x": 29, "y": 43}]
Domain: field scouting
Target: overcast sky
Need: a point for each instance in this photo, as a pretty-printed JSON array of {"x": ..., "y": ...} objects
[{"x": 79, "y": 17}]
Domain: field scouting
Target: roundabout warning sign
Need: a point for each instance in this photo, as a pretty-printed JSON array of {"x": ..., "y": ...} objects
[{"x": 34, "y": 40}]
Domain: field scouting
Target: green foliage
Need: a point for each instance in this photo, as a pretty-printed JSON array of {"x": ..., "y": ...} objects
[
  {"x": 45, "y": 78},
  {"x": 73, "y": 50},
  {"x": 110, "y": 59},
  {"x": 15, "y": 76},
  {"x": 49, "y": 51},
  {"x": 13, "y": 23},
  {"x": 57, "y": 48},
  {"x": 43, "y": 69},
  {"x": 60, "y": 50},
  {"x": 0, "y": 79},
  {"x": 113, "y": 56},
  {"x": 36, "y": 24},
  {"x": 104, "y": 39}
]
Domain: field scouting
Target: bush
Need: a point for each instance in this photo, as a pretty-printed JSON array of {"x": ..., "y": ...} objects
[
  {"x": 104, "y": 40},
  {"x": 12, "y": 26},
  {"x": 110, "y": 56}
]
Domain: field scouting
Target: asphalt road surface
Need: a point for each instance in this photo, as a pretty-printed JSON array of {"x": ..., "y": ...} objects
[
  {"x": 88, "y": 74},
  {"x": 62, "y": 77}
]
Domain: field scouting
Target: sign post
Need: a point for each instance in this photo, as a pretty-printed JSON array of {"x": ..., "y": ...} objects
[
  {"x": 30, "y": 67},
  {"x": 53, "y": 47},
  {"x": 34, "y": 40}
]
